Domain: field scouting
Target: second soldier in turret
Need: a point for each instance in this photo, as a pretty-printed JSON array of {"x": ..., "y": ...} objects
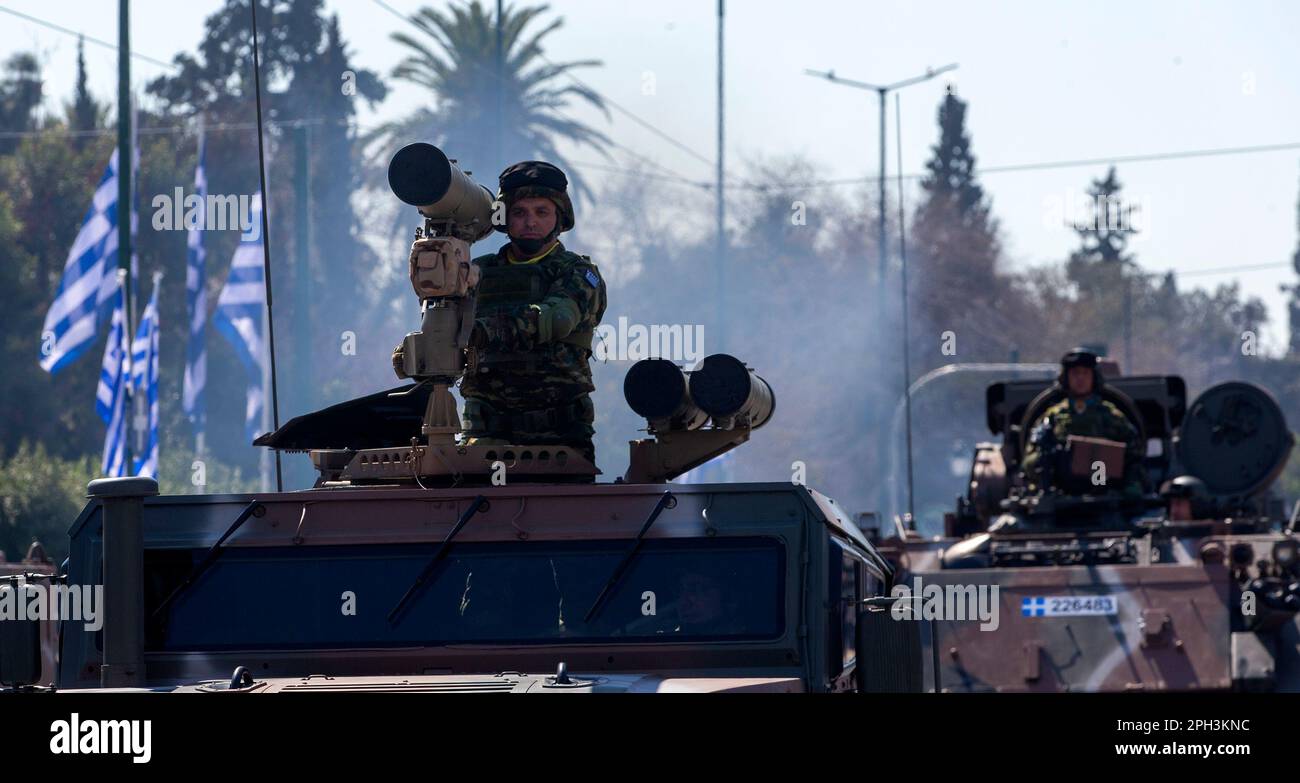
[{"x": 1083, "y": 413}]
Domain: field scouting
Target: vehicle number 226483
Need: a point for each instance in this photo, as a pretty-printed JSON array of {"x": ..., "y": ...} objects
[{"x": 1068, "y": 605}]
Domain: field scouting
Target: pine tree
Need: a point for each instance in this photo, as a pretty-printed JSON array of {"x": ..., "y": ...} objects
[
  {"x": 1111, "y": 295},
  {"x": 951, "y": 185},
  {"x": 954, "y": 266},
  {"x": 1104, "y": 233},
  {"x": 84, "y": 113}
]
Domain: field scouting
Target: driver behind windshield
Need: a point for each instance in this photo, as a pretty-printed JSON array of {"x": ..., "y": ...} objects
[{"x": 705, "y": 607}]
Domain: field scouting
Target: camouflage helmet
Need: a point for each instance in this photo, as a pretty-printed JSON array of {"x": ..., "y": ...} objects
[
  {"x": 537, "y": 179},
  {"x": 1081, "y": 357}
]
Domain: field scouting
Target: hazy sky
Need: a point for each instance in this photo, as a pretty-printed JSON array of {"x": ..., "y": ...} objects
[{"x": 1046, "y": 82}]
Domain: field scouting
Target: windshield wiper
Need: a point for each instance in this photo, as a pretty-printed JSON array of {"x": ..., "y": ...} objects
[
  {"x": 667, "y": 500},
  {"x": 479, "y": 504},
  {"x": 254, "y": 508}
]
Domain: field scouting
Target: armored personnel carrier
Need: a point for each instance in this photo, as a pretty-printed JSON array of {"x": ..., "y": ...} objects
[
  {"x": 1194, "y": 587},
  {"x": 420, "y": 563}
]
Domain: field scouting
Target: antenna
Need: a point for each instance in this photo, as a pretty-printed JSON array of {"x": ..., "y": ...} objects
[
  {"x": 902, "y": 254},
  {"x": 266, "y": 241}
]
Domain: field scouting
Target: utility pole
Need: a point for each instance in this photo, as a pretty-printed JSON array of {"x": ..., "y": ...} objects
[
  {"x": 500, "y": 89},
  {"x": 125, "y": 160},
  {"x": 302, "y": 299},
  {"x": 881, "y": 92},
  {"x": 902, "y": 267},
  {"x": 721, "y": 250}
]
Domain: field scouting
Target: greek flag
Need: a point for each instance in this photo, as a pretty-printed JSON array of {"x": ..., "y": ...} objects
[
  {"x": 89, "y": 285},
  {"x": 144, "y": 386},
  {"x": 241, "y": 316},
  {"x": 196, "y": 356},
  {"x": 114, "y": 380},
  {"x": 1033, "y": 607}
]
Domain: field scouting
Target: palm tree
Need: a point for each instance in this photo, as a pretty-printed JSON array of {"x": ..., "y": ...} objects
[{"x": 485, "y": 112}]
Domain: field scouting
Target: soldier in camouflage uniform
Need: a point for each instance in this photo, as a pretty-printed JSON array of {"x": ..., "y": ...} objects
[
  {"x": 1083, "y": 412},
  {"x": 529, "y": 380}
]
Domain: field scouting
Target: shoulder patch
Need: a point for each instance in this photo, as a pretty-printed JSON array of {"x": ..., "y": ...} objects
[{"x": 591, "y": 277}]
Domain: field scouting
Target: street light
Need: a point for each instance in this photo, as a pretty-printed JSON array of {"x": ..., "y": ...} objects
[{"x": 882, "y": 91}]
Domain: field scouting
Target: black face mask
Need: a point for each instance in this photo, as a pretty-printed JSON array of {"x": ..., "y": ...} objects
[{"x": 530, "y": 247}]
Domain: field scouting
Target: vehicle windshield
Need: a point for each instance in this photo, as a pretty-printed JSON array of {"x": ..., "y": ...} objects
[{"x": 339, "y": 596}]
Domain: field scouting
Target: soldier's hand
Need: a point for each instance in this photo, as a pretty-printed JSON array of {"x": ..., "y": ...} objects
[{"x": 398, "y": 357}]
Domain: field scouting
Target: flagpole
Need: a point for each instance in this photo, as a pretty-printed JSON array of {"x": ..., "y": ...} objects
[
  {"x": 266, "y": 254},
  {"x": 125, "y": 159},
  {"x": 200, "y": 420},
  {"x": 265, "y": 460}
]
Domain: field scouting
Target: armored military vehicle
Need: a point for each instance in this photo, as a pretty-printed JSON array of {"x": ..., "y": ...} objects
[
  {"x": 1194, "y": 587},
  {"x": 420, "y": 563}
]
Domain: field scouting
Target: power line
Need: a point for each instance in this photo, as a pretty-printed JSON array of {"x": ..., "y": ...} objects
[
  {"x": 628, "y": 113},
  {"x": 392, "y": 10},
  {"x": 606, "y": 99},
  {"x": 1062, "y": 164},
  {"x": 626, "y": 172},
  {"x": 96, "y": 41},
  {"x": 670, "y": 175},
  {"x": 159, "y": 130},
  {"x": 1040, "y": 166},
  {"x": 1218, "y": 270},
  {"x": 863, "y": 180},
  {"x": 1142, "y": 158}
]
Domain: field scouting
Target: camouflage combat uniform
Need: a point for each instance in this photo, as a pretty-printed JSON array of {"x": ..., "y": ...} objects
[
  {"x": 529, "y": 380},
  {"x": 1098, "y": 419}
]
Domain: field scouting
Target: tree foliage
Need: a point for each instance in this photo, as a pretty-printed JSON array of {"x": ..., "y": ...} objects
[
  {"x": 490, "y": 111},
  {"x": 21, "y": 92},
  {"x": 310, "y": 89},
  {"x": 84, "y": 113}
]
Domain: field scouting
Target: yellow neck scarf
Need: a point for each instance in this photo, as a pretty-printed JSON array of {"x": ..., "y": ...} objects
[{"x": 510, "y": 254}]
